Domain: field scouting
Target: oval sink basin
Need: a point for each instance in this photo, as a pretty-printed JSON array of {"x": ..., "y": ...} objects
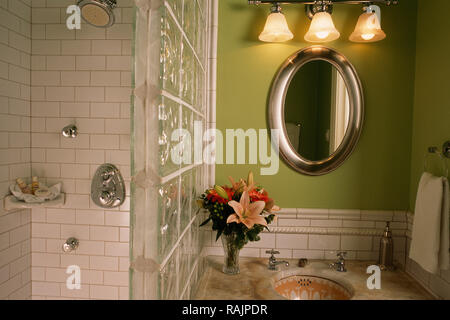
[{"x": 306, "y": 287}]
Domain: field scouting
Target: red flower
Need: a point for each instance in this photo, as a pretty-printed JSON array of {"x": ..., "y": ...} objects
[
  {"x": 213, "y": 196},
  {"x": 259, "y": 196},
  {"x": 230, "y": 192}
]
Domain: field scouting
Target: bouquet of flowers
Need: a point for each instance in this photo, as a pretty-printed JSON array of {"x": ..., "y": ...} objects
[{"x": 242, "y": 209}]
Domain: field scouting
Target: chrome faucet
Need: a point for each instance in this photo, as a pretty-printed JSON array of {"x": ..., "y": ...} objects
[
  {"x": 340, "y": 264},
  {"x": 273, "y": 261}
]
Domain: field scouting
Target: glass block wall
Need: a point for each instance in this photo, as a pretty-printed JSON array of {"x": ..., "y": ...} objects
[{"x": 171, "y": 72}]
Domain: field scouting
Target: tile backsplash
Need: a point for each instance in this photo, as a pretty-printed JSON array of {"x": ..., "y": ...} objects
[{"x": 320, "y": 233}]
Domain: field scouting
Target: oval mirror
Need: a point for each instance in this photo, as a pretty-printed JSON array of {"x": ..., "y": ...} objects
[{"x": 317, "y": 104}]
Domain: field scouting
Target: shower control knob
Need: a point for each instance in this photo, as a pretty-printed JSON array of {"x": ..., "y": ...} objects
[
  {"x": 106, "y": 197},
  {"x": 108, "y": 187},
  {"x": 70, "y": 131}
]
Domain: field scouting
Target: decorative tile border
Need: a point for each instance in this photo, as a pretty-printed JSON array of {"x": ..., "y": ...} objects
[
  {"x": 343, "y": 214},
  {"x": 339, "y": 222},
  {"x": 328, "y": 231}
]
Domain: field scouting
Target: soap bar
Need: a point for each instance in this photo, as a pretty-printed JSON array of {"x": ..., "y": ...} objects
[{"x": 42, "y": 193}]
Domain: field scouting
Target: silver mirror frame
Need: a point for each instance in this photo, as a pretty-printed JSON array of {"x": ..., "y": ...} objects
[{"x": 277, "y": 99}]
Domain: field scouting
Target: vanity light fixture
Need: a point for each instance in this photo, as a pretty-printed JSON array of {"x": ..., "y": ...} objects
[
  {"x": 276, "y": 28},
  {"x": 368, "y": 28},
  {"x": 322, "y": 29}
]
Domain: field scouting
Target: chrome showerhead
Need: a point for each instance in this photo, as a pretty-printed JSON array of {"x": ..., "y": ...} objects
[{"x": 98, "y": 13}]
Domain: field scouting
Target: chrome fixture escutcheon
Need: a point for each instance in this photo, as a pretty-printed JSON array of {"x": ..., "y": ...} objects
[
  {"x": 70, "y": 245},
  {"x": 108, "y": 187},
  {"x": 71, "y": 131}
]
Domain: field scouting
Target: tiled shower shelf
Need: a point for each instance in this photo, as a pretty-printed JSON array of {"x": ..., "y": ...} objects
[{"x": 10, "y": 203}]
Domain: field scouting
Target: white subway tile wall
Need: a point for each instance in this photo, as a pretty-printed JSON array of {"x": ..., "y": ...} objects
[
  {"x": 82, "y": 77},
  {"x": 15, "y": 227}
]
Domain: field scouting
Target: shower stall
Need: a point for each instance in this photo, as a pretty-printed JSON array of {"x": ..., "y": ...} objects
[{"x": 128, "y": 84}]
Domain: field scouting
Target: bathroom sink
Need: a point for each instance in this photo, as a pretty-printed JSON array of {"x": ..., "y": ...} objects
[
  {"x": 304, "y": 287},
  {"x": 315, "y": 282}
]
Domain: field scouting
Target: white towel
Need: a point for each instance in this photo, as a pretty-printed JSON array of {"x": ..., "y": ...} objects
[{"x": 431, "y": 229}]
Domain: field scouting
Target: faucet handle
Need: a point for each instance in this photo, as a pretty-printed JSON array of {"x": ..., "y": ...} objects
[{"x": 272, "y": 252}]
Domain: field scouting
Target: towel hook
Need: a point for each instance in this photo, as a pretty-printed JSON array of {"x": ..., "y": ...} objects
[{"x": 444, "y": 154}]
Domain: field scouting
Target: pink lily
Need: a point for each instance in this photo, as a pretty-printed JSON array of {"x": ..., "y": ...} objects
[
  {"x": 270, "y": 206},
  {"x": 246, "y": 212},
  {"x": 238, "y": 186}
]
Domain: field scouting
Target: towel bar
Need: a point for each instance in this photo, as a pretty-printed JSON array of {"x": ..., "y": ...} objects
[{"x": 444, "y": 154}]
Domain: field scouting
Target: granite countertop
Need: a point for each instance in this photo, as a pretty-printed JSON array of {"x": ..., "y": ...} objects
[{"x": 255, "y": 282}]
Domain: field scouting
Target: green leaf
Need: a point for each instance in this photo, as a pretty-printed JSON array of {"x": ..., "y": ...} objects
[
  {"x": 205, "y": 222},
  {"x": 219, "y": 233}
]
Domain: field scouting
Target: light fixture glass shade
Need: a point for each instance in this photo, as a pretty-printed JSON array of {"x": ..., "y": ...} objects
[
  {"x": 368, "y": 29},
  {"x": 276, "y": 29},
  {"x": 322, "y": 29}
]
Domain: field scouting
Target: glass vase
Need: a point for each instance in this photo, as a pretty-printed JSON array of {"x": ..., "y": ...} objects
[{"x": 231, "y": 256}]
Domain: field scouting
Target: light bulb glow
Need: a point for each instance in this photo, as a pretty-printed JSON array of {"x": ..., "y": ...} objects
[
  {"x": 322, "y": 29},
  {"x": 276, "y": 29},
  {"x": 368, "y": 29},
  {"x": 322, "y": 34},
  {"x": 368, "y": 36}
]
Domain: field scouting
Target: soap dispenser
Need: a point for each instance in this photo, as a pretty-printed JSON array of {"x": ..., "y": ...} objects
[{"x": 386, "y": 258}]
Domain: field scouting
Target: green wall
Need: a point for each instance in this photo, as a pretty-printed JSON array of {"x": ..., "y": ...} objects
[
  {"x": 431, "y": 123},
  {"x": 377, "y": 175}
]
